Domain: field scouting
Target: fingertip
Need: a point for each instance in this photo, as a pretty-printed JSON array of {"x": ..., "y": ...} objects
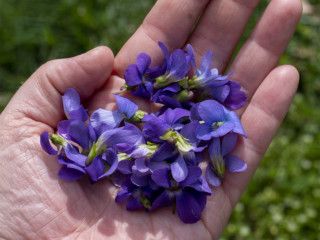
[
  {"x": 293, "y": 8},
  {"x": 288, "y": 73},
  {"x": 102, "y": 56},
  {"x": 103, "y": 52}
]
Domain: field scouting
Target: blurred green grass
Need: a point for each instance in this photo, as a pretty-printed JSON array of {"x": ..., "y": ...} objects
[{"x": 283, "y": 200}]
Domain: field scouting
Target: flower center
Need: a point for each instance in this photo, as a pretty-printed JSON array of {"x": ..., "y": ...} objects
[
  {"x": 96, "y": 150},
  {"x": 216, "y": 125},
  {"x": 137, "y": 117},
  {"x": 176, "y": 138}
]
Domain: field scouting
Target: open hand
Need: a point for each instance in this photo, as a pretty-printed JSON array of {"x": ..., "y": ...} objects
[{"x": 35, "y": 204}]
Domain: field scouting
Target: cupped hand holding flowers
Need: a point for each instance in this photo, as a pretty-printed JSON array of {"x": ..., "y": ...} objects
[{"x": 37, "y": 205}]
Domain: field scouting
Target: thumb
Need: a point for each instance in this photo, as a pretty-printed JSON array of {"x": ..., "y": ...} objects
[{"x": 39, "y": 98}]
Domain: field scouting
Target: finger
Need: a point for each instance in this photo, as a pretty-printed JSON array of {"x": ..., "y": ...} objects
[
  {"x": 262, "y": 51},
  {"x": 221, "y": 27},
  {"x": 40, "y": 97},
  {"x": 261, "y": 120},
  {"x": 169, "y": 21}
]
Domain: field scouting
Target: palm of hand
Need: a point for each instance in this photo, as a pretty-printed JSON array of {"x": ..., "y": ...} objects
[{"x": 36, "y": 205}]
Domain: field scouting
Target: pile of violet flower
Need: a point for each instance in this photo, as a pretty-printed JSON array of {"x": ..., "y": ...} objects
[{"x": 158, "y": 159}]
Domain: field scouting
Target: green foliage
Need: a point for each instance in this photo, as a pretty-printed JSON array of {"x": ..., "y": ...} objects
[{"x": 283, "y": 200}]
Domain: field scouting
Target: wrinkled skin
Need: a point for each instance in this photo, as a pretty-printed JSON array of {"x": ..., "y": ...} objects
[{"x": 35, "y": 204}]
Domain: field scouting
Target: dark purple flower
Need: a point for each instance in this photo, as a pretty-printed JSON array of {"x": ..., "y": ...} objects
[
  {"x": 229, "y": 94},
  {"x": 103, "y": 165},
  {"x": 209, "y": 83},
  {"x": 136, "y": 76},
  {"x": 215, "y": 120},
  {"x": 136, "y": 198},
  {"x": 236, "y": 98},
  {"x": 176, "y": 66},
  {"x": 189, "y": 195},
  {"x": 96, "y": 158},
  {"x": 221, "y": 159}
]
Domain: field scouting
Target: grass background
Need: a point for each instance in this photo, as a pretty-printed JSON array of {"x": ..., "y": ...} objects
[{"x": 283, "y": 200}]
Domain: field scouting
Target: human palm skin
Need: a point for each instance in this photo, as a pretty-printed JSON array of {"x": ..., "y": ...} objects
[{"x": 35, "y": 204}]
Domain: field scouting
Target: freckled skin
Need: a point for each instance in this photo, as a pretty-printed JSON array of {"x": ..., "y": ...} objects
[{"x": 34, "y": 204}]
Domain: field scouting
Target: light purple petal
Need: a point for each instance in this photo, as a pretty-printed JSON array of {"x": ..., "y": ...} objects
[
  {"x": 102, "y": 120},
  {"x": 63, "y": 128},
  {"x": 72, "y": 106},
  {"x": 235, "y": 164},
  {"x": 233, "y": 117},
  {"x": 79, "y": 114},
  {"x": 204, "y": 132},
  {"x": 125, "y": 106},
  {"x": 179, "y": 169},
  {"x": 129, "y": 134},
  {"x": 223, "y": 130},
  {"x": 206, "y": 62},
  {"x": 178, "y": 64},
  {"x": 71, "y": 101},
  {"x": 46, "y": 144},
  {"x": 190, "y": 55},
  {"x": 140, "y": 166},
  {"x": 212, "y": 177},
  {"x": 211, "y": 111}
]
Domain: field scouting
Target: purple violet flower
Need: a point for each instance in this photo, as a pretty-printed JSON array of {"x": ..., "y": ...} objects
[
  {"x": 221, "y": 159},
  {"x": 206, "y": 76},
  {"x": 136, "y": 198},
  {"x": 176, "y": 66},
  {"x": 215, "y": 120},
  {"x": 166, "y": 126},
  {"x": 189, "y": 195},
  {"x": 159, "y": 165},
  {"x": 82, "y": 150},
  {"x": 136, "y": 76}
]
